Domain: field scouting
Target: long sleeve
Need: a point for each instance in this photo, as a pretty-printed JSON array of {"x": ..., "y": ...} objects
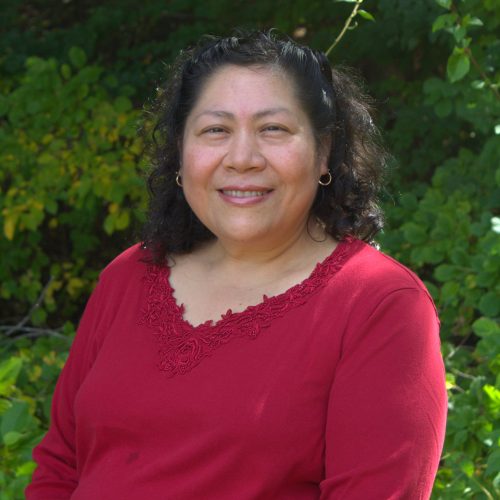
[
  {"x": 56, "y": 474},
  {"x": 387, "y": 405}
]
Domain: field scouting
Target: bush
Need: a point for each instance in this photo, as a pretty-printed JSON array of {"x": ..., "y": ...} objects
[
  {"x": 447, "y": 229},
  {"x": 72, "y": 190}
]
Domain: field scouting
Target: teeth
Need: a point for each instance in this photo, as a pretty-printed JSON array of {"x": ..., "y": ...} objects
[{"x": 244, "y": 194}]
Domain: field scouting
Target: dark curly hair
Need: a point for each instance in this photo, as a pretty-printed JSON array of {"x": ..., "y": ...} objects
[{"x": 337, "y": 108}]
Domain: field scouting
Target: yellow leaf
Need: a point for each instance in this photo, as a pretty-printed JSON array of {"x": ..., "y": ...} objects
[
  {"x": 47, "y": 138},
  {"x": 38, "y": 205},
  {"x": 451, "y": 382},
  {"x": 74, "y": 286},
  {"x": 9, "y": 226},
  {"x": 36, "y": 373},
  {"x": 50, "y": 358}
]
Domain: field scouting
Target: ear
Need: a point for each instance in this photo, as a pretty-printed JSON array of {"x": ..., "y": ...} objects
[
  {"x": 324, "y": 165},
  {"x": 324, "y": 154},
  {"x": 179, "y": 149}
]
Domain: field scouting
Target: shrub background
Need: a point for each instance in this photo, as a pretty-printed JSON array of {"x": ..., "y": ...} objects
[{"x": 73, "y": 79}]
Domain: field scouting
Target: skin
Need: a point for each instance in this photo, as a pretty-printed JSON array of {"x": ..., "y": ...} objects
[{"x": 250, "y": 171}]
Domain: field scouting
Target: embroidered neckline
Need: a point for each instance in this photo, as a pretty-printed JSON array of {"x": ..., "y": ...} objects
[{"x": 182, "y": 346}]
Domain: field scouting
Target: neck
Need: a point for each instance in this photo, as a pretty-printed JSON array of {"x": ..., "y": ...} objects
[{"x": 302, "y": 246}]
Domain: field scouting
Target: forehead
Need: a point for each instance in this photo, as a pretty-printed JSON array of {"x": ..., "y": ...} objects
[{"x": 247, "y": 88}]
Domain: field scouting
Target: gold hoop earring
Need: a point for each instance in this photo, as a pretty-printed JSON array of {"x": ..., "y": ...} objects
[
  {"x": 328, "y": 181},
  {"x": 178, "y": 179}
]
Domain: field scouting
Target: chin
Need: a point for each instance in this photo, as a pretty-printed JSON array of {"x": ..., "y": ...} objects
[{"x": 245, "y": 235}]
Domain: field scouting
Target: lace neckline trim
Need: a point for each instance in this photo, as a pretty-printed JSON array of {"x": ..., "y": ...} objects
[{"x": 182, "y": 346}]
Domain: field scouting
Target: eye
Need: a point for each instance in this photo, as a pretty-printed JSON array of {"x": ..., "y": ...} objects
[
  {"x": 214, "y": 130},
  {"x": 275, "y": 128}
]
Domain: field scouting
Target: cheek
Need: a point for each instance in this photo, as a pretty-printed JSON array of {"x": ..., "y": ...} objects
[
  {"x": 299, "y": 166},
  {"x": 197, "y": 166}
]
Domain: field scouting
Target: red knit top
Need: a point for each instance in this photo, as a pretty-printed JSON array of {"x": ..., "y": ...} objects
[{"x": 332, "y": 390}]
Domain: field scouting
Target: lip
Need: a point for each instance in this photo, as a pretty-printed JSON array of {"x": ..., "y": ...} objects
[{"x": 232, "y": 194}]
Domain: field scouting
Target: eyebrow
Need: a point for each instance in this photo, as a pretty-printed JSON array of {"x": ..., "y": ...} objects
[{"x": 259, "y": 114}]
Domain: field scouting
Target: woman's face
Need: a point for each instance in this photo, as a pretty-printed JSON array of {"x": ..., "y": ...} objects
[{"x": 250, "y": 165}]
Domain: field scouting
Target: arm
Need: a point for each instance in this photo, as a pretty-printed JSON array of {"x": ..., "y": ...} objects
[
  {"x": 387, "y": 406},
  {"x": 56, "y": 475}
]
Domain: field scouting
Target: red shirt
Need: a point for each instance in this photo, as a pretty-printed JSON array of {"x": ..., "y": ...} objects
[{"x": 332, "y": 390}]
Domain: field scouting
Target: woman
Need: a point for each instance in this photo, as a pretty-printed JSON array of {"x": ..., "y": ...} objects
[{"x": 255, "y": 347}]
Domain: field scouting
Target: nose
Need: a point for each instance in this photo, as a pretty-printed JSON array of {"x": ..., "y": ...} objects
[{"x": 243, "y": 153}]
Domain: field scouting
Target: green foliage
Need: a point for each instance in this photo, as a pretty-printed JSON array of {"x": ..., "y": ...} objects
[
  {"x": 72, "y": 195},
  {"x": 70, "y": 188},
  {"x": 27, "y": 377},
  {"x": 69, "y": 153},
  {"x": 447, "y": 237},
  {"x": 445, "y": 228}
]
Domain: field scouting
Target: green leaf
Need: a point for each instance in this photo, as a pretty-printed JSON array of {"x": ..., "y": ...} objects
[
  {"x": 475, "y": 21},
  {"x": 66, "y": 71},
  {"x": 109, "y": 224},
  {"x": 5, "y": 404},
  {"x": 446, "y": 4},
  {"x": 467, "y": 467},
  {"x": 458, "y": 65},
  {"x": 414, "y": 233},
  {"x": 122, "y": 104},
  {"x": 9, "y": 370},
  {"x": 445, "y": 272},
  {"x": 15, "y": 418},
  {"x": 493, "y": 463},
  {"x": 493, "y": 398},
  {"x": 484, "y": 327},
  {"x": 122, "y": 220},
  {"x": 11, "y": 438},
  {"x": 409, "y": 201},
  {"x": 366, "y": 15},
  {"x": 77, "y": 57},
  {"x": 460, "y": 257},
  {"x": 489, "y": 305},
  {"x": 428, "y": 253},
  {"x": 443, "y": 108},
  {"x": 496, "y": 480},
  {"x": 444, "y": 21},
  {"x": 26, "y": 469},
  {"x": 458, "y": 33}
]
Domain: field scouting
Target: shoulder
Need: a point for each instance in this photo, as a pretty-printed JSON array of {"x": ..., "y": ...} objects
[
  {"x": 369, "y": 266},
  {"x": 366, "y": 267},
  {"x": 369, "y": 276},
  {"x": 126, "y": 270},
  {"x": 134, "y": 258},
  {"x": 382, "y": 301}
]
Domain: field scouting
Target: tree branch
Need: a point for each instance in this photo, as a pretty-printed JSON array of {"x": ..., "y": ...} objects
[
  {"x": 346, "y": 26},
  {"x": 20, "y": 326},
  {"x": 471, "y": 57},
  {"x": 31, "y": 332},
  {"x": 481, "y": 72}
]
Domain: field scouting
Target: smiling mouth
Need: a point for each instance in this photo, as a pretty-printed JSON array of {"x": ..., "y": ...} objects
[{"x": 243, "y": 194}]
